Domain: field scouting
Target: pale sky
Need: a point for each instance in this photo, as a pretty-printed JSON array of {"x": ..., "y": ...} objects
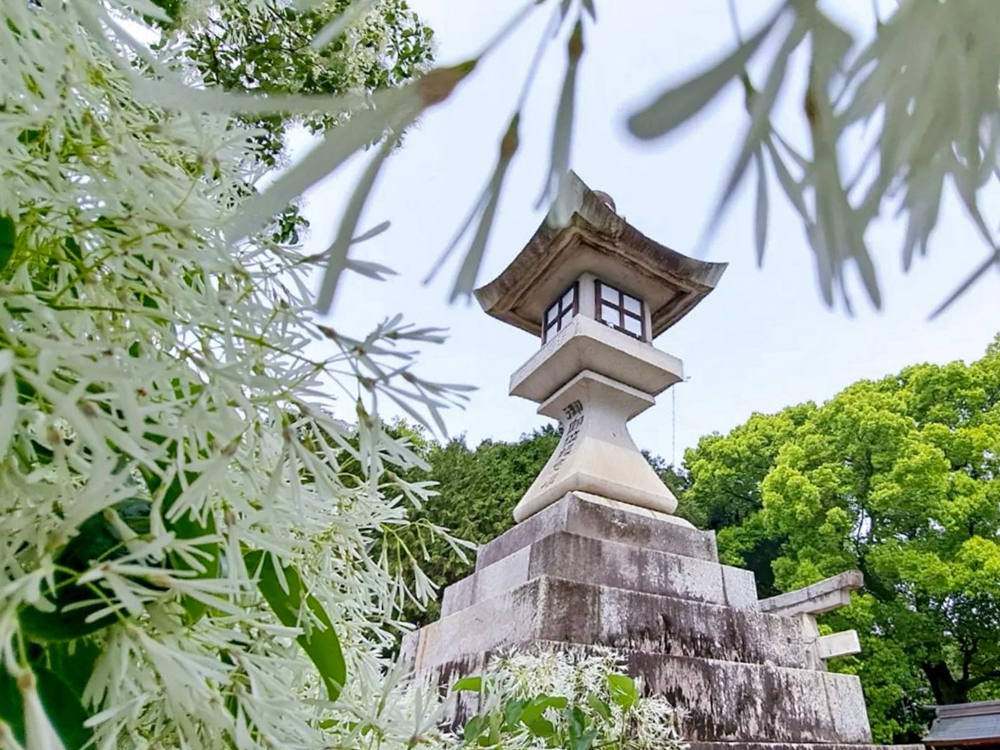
[{"x": 761, "y": 341}]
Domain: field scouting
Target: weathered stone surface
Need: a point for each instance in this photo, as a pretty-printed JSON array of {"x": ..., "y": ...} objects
[
  {"x": 844, "y": 643},
  {"x": 603, "y": 519},
  {"x": 740, "y": 586},
  {"x": 586, "y": 344},
  {"x": 596, "y": 453},
  {"x": 600, "y": 562},
  {"x": 552, "y": 609},
  {"x": 729, "y": 704},
  {"x": 732, "y": 701},
  {"x": 792, "y": 746},
  {"x": 823, "y": 596}
]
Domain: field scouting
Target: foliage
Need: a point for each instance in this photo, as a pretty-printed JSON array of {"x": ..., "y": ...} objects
[
  {"x": 897, "y": 478},
  {"x": 183, "y": 562},
  {"x": 566, "y": 700},
  {"x": 266, "y": 48}
]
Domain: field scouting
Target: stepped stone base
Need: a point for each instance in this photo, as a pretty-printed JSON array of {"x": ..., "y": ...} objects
[{"x": 588, "y": 572}]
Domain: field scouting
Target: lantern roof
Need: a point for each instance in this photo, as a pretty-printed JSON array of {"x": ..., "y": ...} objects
[{"x": 599, "y": 241}]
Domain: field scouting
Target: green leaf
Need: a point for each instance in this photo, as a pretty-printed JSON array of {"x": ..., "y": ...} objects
[
  {"x": 583, "y": 741},
  {"x": 469, "y": 684},
  {"x": 186, "y": 527},
  {"x": 62, "y": 706},
  {"x": 473, "y": 728},
  {"x": 540, "y": 727},
  {"x": 623, "y": 690},
  {"x": 532, "y": 716},
  {"x": 496, "y": 720},
  {"x": 97, "y": 540},
  {"x": 599, "y": 706},
  {"x": 512, "y": 713},
  {"x": 8, "y": 236},
  {"x": 64, "y": 709},
  {"x": 73, "y": 662},
  {"x": 11, "y": 704},
  {"x": 322, "y": 646}
]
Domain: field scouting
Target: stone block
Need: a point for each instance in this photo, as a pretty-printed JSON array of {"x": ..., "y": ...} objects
[
  {"x": 730, "y": 701},
  {"x": 729, "y": 704},
  {"x": 741, "y": 587},
  {"x": 847, "y": 706},
  {"x": 552, "y": 609},
  {"x": 844, "y": 643},
  {"x": 604, "y": 563},
  {"x": 599, "y": 518}
]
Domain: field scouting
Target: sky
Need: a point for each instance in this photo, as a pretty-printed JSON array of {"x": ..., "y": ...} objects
[{"x": 761, "y": 341}]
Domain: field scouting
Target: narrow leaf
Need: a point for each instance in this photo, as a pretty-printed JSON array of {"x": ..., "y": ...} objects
[
  {"x": 992, "y": 262},
  {"x": 562, "y": 133},
  {"x": 8, "y": 401},
  {"x": 8, "y": 236},
  {"x": 760, "y": 224},
  {"x": 322, "y": 646},
  {"x": 369, "y": 269},
  {"x": 336, "y": 255},
  {"x": 600, "y": 707},
  {"x": 375, "y": 231},
  {"x": 678, "y": 105}
]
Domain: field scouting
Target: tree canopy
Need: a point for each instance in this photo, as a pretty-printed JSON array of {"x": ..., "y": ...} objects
[{"x": 899, "y": 479}]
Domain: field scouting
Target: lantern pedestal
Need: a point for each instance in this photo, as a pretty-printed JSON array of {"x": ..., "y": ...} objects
[{"x": 596, "y": 453}]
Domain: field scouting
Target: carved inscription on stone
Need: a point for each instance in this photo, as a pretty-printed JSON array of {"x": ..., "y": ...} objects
[{"x": 573, "y": 422}]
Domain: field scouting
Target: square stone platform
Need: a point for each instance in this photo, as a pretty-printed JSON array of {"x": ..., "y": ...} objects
[{"x": 588, "y": 572}]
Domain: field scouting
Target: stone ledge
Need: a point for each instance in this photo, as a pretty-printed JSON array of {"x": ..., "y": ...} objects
[
  {"x": 553, "y": 609},
  {"x": 599, "y": 518},
  {"x": 605, "y": 563},
  {"x": 823, "y": 596}
]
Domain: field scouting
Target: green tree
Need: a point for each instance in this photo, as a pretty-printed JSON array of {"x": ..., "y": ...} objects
[
  {"x": 897, "y": 478},
  {"x": 268, "y": 48}
]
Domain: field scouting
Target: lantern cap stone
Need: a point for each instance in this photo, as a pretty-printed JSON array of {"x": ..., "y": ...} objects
[{"x": 599, "y": 241}]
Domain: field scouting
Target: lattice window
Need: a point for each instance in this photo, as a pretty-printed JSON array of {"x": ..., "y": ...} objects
[
  {"x": 561, "y": 312},
  {"x": 620, "y": 311}
]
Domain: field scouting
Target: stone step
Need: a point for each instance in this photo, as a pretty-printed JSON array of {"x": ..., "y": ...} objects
[
  {"x": 794, "y": 746},
  {"x": 605, "y": 563},
  {"x": 555, "y": 609},
  {"x": 752, "y": 702},
  {"x": 599, "y": 518},
  {"x": 726, "y": 704}
]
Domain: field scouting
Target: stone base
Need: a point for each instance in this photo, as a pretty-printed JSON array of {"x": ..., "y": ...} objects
[{"x": 585, "y": 573}]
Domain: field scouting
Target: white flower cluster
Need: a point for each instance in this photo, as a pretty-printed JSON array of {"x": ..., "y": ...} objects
[
  {"x": 185, "y": 534},
  {"x": 587, "y": 680}
]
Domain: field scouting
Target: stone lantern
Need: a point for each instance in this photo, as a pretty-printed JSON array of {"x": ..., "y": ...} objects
[
  {"x": 597, "y": 293},
  {"x": 597, "y": 559}
]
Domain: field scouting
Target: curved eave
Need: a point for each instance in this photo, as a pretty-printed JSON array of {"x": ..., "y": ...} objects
[{"x": 519, "y": 294}]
